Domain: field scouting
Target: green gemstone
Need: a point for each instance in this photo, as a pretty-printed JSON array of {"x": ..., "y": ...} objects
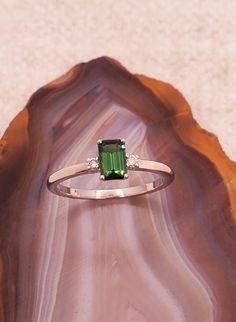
[{"x": 112, "y": 159}]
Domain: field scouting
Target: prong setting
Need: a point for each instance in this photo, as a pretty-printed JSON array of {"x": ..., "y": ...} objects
[
  {"x": 93, "y": 164},
  {"x": 112, "y": 161},
  {"x": 132, "y": 161}
]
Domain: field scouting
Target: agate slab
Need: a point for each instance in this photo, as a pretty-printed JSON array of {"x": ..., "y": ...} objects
[{"x": 168, "y": 256}]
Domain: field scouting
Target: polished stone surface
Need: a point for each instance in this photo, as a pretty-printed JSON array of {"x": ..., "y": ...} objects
[
  {"x": 169, "y": 254},
  {"x": 112, "y": 159}
]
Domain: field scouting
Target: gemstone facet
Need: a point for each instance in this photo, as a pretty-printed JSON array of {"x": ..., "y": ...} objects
[
  {"x": 112, "y": 159},
  {"x": 132, "y": 161},
  {"x": 93, "y": 164}
]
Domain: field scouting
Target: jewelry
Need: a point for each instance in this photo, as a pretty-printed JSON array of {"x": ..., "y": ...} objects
[{"x": 113, "y": 163}]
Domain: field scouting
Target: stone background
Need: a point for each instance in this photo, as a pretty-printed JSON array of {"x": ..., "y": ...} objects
[{"x": 190, "y": 44}]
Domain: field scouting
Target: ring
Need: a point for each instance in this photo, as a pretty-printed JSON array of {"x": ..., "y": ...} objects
[{"x": 113, "y": 164}]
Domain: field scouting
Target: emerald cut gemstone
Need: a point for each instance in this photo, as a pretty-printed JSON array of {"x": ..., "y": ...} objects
[{"x": 112, "y": 159}]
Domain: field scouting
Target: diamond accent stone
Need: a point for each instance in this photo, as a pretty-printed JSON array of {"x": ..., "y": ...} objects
[
  {"x": 132, "y": 161},
  {"x": 93, "y": 163}
]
